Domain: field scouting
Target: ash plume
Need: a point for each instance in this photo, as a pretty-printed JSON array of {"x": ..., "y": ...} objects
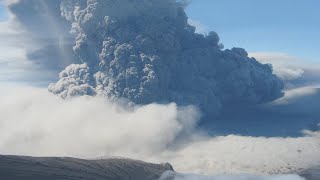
[{"x": 145, "y": 51}]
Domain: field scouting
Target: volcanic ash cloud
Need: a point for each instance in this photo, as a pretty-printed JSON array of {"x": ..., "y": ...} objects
[{"x": 145, "y": 51}]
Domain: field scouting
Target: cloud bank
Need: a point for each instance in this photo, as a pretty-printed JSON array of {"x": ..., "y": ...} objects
[{"x": 35, "y": 122}]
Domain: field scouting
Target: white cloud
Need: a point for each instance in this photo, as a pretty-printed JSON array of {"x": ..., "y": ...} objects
[
  {"x": 275, "y": 57},
  {"x": 200, "y": 28},
  {"x": 287, "y": 73},
  {"x": 85, "y": 126},
  {"x": 290, "y": 68},
  {"x": 35, "y": 122},
  {"x": 285, "y": 66},
  {"x": 300, "y": 95}
]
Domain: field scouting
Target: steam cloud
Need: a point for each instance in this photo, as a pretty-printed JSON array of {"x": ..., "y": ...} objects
[
  {"x": 35, "y": 122},
  {"x": 146, "y": 51}
]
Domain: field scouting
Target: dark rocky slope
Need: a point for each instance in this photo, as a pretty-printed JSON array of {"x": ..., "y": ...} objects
[{"x": 49, "y": 168}]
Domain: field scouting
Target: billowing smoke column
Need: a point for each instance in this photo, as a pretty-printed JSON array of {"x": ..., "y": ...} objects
[{"x": 145, "y": 51}]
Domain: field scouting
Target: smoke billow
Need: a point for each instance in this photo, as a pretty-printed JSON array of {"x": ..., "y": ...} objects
[{"x": 146, "y": 51}]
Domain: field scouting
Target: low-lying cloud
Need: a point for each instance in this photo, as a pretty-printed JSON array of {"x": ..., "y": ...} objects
[
  {"x": 35, "y": 122},
  {"x": 38, "y": 123}
]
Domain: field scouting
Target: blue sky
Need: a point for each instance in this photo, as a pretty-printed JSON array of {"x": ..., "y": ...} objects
[
  {"x": 2, "y": 13},
  {"x": 286, "y": 26}
]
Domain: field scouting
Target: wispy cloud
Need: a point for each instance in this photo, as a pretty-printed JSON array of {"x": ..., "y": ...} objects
[{"x": 276, "y": 58}]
